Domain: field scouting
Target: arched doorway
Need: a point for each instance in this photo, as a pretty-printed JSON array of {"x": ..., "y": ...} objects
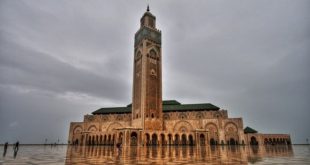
[
  {"x": 76, "y": 142},
  {"x": 163, "y": 142},
  {"x": 183, "y": 139},
  {"x": 82, "y": 139},
  {"x": 169, "y": 139},
  {"x": 120, "y": 137},
  {"x": 253, "y": 141},
  {"x": 88, "y": 138},
  {"x": 113, "y": 139},
  {"x": 109, "y": 140},
  {"x": 212, "y": 141},
  {"x": 147, "y": 139},
  {"x": 232, "y": 141},
  {"x": 93, "y": 141},
  {"x": 154, "y": 139},
  {"x": 100, "y": 141},
  {"x": 176, "y": 139},
  {"x": 202, "y": 139},
  {"x": 105, "y": 140},
  {"x": 133, "y": 139},
  {"x": 190, "y": 140},
  {"x": 283, "y": 141}
]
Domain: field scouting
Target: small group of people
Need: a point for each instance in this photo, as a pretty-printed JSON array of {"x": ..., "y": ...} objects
[{"x": 15, "y": 148}]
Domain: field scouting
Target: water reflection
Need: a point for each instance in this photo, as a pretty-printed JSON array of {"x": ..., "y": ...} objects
[{"x": 174, "y": 154}]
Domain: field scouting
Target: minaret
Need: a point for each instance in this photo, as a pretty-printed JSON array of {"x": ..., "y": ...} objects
[{"x": 147, "y": 75}]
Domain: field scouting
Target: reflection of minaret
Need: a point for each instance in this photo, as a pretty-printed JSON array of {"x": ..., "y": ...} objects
[{"x": 147, "y": 83}]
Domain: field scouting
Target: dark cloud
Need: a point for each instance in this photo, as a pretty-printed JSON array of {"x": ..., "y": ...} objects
[
  {"x": 25, "y": 67},
  {"x": 61, "y": 60}
]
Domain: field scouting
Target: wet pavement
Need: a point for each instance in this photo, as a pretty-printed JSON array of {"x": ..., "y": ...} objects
[{"x": 62, "y": 154}]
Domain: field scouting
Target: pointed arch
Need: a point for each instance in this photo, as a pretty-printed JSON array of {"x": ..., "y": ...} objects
[
  {"x": 92, "y": 128},
  {"x": 153, "y": 52},
  {"x": 213, "y": 133},
  {"x": 77, "y": 130},
  {"x": 183, "y": 126},
  {"x": 138, "y": 54},
  {"x": 231, "y": 125},
  {"x": 231, "y": 133},
  {"x": 134, "y": 139},
  {"x": 113, "y": 126}
]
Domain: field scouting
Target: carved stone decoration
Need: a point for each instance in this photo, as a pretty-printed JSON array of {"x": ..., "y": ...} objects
[
  {"x": 153, "y": 125},
  {"x": 104, "y": 118},
  {"x": 92, "y": 128},
  {"x": 183, "y": 125},
  {"x": 119, "y": 117},
  {"x": 231, "y": 133},
  {"x": 166, "y": 116},
  {"x": 199, "y": 115},
  {"x": 231, "y": 128},
  {"x": 90, "y": 118},
  {"x": 182, "y": 116},
  {"x": 217, "y": 115},
  {"x": 77, "y": 130},
  {"x": 113, "y": 126},
  {"x": 212, "y": 129}
]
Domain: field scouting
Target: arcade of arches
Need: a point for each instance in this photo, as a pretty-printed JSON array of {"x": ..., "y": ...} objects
[{"x": 100, "y": 130}]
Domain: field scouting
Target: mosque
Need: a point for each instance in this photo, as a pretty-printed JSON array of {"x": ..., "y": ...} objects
[{"x": 149, "y": 120}]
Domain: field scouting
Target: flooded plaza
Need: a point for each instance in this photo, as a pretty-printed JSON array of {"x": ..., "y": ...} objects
[{"x": 62, "y": 154}]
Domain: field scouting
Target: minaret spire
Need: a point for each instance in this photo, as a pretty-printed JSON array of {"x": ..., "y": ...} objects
[{"x": 148, "y": 7}]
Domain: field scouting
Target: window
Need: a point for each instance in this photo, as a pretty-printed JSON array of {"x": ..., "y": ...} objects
[{"x": 151, "y": 22}]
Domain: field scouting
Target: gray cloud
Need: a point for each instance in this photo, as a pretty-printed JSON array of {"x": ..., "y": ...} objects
[
  {"x": 23, "y": 66},
  {"x": 60, "y": 60}
]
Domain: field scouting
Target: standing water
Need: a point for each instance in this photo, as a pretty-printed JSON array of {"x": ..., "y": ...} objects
[{"x": 62, "y": 154}]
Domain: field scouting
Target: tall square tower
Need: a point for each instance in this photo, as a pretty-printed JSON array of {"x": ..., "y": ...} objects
[{"x": 147, "y": 75}]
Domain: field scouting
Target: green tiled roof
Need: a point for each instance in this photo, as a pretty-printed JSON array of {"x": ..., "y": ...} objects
[
  {"x": 249, "y": 130},
  {"x": 112, "y": 110},
  {"x": 186, "y": 107},
  {"x": 168, "y": 106},
  {"x": 171, "y": 102},
  {"x": 165, "y": 102}
]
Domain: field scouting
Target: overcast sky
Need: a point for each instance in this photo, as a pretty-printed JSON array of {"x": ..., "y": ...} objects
[{"x": 60, "y": 60}]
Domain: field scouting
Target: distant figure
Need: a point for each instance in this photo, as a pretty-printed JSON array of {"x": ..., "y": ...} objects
[
  {"x": 119, "y": 147},
  {"x": 15, "y": 149},
  {"x": 5, "y": 148},
  {"x": 16, "y": 146}
]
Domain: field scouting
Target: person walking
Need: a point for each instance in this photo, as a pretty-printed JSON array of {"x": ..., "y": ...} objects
[
  {"x": 16, "y": 147},
  {"x": 5, "y": 148}
]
